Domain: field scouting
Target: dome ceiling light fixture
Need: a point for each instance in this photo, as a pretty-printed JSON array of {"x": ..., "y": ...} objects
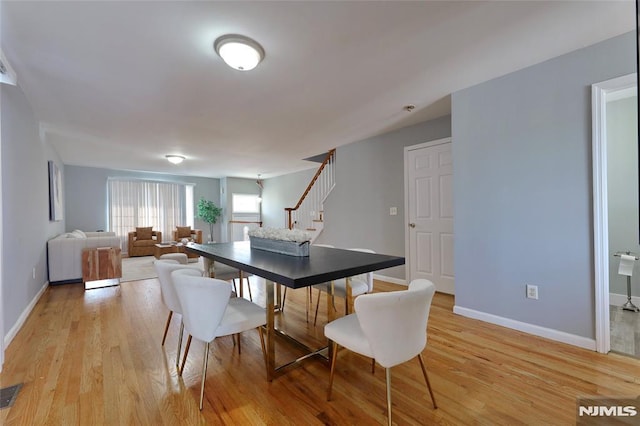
[
  {"x": 239, "y": 52},
  {"x": 175, "y": 159}
]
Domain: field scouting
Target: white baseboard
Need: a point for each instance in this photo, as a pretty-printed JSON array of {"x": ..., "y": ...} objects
[
  {"x": 559, "y": 336},
  {"x": 23, "y": 317},
  {"x": 391, "y": 280},
  {"x": 620, "y": 299}
]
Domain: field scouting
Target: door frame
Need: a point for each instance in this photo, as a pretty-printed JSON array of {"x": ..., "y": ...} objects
[
  {"x": 600, "y": 94},
  {"x": 407, "y": 246}
]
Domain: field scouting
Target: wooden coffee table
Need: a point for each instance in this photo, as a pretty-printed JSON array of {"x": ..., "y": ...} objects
[{"x": 161, "y": 249}]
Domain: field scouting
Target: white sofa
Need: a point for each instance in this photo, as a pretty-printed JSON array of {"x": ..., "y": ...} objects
[{"x": 64, "y": 253}]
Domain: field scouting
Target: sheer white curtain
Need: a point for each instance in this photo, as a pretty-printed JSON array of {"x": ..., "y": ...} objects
[{"x": 137, "y": 203}]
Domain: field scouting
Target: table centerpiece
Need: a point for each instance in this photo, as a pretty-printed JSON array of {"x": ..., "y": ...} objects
[{"x": 292, "y": 242}]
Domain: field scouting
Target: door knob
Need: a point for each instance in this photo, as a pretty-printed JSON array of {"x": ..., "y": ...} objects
[{"x": 412, "y": 225}]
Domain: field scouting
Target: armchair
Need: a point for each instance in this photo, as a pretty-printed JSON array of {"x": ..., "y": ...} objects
[
  {"x": 193, "y": 235},
  {"x": 141, "y": 242}
]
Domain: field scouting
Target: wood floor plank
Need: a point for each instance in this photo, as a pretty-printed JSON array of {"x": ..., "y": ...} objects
[{"x": 95, "y": 357}]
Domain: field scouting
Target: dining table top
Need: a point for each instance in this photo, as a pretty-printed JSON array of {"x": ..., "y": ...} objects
[{"x": 322, "y": 265}]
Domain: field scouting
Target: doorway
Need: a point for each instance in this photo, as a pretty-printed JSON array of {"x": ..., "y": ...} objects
[
  {"x": 429, "y": 213},
  {"x": 612, "y": 231}
]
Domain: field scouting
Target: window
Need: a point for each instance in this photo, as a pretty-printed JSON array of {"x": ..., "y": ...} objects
[
  {"x": 136, "y": 203},
  {"x": 245, "y": 215},
  {"x": 245, "y": 203}
]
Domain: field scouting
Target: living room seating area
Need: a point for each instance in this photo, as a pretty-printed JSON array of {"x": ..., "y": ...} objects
[
  {"x": 142, "y": 241},
  {"x": 64, "y": 253},
  {"x": 184, "y": 234}
]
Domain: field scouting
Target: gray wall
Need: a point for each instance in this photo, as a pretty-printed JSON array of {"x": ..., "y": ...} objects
[
  {"x": 283, "y": 191},
  {"x": 86, "y": 195},
  {"x": 622, "y": 187},
  {"x": 369, "y": 180},
  {"x": 523, "y": 191},
  {"x": 25, "y": 203}
]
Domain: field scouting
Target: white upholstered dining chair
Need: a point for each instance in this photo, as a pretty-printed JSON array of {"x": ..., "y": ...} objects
[
  {"x": 210, "y": 312},
  {"x": 360, "y": 284},
  {"x": 390, "y": 327},
  {"x": 229, "y": 273},
  {"x": 164, "y": 268},
  {"x": 309, "y": 290}
]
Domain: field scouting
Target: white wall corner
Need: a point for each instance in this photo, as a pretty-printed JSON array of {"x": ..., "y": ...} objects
[{"x": 549, "y": 333}]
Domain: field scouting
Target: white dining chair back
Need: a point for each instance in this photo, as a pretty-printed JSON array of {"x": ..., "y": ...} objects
[
  {"x": 395, "y": 323},
  {"x": 390, "y": 327},
  {"x": 225, "y": 272},
  {"x": 203, "y": 301},
  {"x": 360, "y": 284},
  {"x": 366, "y": 278},
  {"x": 164, "y": 268},
  {"x": 210, "y": 312}
]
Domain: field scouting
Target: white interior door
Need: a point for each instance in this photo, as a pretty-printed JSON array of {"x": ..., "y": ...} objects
[{"x": 429, "y": 199}]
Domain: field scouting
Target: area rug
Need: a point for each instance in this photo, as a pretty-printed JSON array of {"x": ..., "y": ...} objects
[
  {"x": 141, "y": 268},
  {"x": 138, "y": 268}
]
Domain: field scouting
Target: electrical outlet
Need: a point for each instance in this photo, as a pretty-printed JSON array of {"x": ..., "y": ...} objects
[
  {"x": 393, "y": 211},
  {"x": 532, "y": 292}
]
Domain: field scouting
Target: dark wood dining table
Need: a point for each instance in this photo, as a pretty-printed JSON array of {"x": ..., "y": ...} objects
[{"x": 323, "y": 265}]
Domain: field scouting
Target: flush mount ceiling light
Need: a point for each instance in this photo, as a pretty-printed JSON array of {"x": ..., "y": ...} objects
[
  {"x": 239, "y": 52},
  {"x": 175, "y": 159}
]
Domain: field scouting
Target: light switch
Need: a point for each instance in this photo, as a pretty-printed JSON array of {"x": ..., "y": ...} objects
[{"x": 393, "y": 211}]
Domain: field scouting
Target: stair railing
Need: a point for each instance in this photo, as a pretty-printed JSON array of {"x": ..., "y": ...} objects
[{"x": 308, "y": 212}]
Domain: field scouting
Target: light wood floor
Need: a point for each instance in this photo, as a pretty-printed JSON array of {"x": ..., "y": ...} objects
[{"x": 95, "y": 357}]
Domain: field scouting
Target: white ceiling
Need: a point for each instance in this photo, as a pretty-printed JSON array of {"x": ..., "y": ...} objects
[{"x": 121, "y": 84}]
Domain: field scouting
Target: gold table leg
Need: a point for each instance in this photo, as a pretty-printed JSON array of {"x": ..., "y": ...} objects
[
  {"x": 270, "y": 289},
  {"x": 347, "y": 303},
  {"x": 208, "y": 267}
]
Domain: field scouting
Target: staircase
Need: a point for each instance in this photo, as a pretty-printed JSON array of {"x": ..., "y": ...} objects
[{"x": 308, "y": 212}]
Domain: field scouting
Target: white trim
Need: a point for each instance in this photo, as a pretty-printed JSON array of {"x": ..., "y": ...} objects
[
  {"x": 620, "y": 299},
  {"x": 549, "y": 333},
  {"x": 23, "y": 317},
  {"x": 407, "y": 252},
  {"x": 391, "y": 280},
  {"x": 600, "y": 93},
  {"x": 622, "y": 94}
]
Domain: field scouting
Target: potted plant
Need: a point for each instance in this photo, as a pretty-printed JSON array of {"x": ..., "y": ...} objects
[{"x": 208, "y": 212}]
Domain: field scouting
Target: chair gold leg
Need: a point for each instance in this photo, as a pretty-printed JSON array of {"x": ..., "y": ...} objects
[
  {"x": 373, "y": 365},
  {"x": 284, "y": 299},
  {"x": 239, "y": 346},
  {"x": 204, "y": 372},
  {"x": 388, "y": 371},
  {"x": 184, "y": 357},
  {"x": 426, "y": 378},
  {"x": 333, "y": 367},
  {"x": 249, "y": 288},
  {"x": 179, "y": 344},
  {"x": 166, "y": 327},
  {"x": 264, "y": 350},
  {"x": 315, "y": 318},
  {"x": 309, "y": 302}
]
